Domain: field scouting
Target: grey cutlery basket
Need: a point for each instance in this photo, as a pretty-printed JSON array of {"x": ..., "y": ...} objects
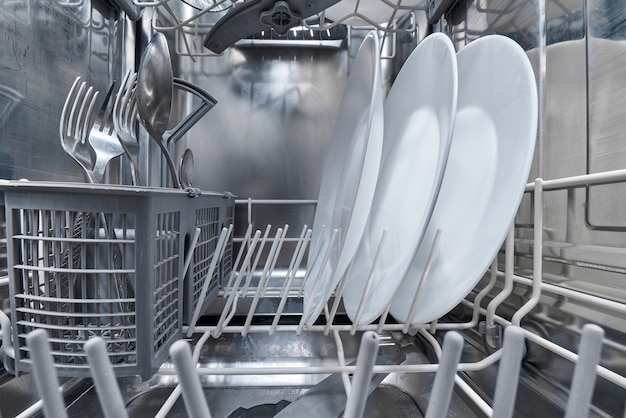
[{"x": 102, "y": 260}]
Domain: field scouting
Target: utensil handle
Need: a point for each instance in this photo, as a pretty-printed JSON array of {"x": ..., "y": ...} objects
[
  {"x": 170, "y": 163},
  {"x": 174, "y": 134}
]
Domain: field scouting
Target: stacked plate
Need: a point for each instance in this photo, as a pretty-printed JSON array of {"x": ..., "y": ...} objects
[
  {"x": 348, "y": 179},
  {"x": 458, "y": 141}
]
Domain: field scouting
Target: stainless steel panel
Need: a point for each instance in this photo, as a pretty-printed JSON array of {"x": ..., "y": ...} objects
[
  {"x": 46, "y": 45},
  {"x": 606, "y": 55},
  {"x": 276, "y": 108}
]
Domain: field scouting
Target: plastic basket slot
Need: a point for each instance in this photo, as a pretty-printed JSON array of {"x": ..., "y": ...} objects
[
  {"x": 165, "y": 331},
  {"x": 73, "y": 270},
  {"x": 74, "y": 239},
  {"x": 74, "y": 314},
  {"x": 72, "y": 300}
]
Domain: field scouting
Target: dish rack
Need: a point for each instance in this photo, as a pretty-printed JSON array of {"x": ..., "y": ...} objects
[
  {"x": 244, "y": 285},
  {"x": 189, "y": 25},
  {"x": 111, "y": 262},
  {"x": 505, "y": 334}
]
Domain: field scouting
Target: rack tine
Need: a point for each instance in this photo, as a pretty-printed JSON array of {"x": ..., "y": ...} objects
[
  {"x": 444, "y": 379},
  {"x": 423, "y": 278},
  {"x": 273, "y": 260},
  {"x": 46, "y": 379},
  {"x": 508, "y": 372},
  {"x": 316, "y": 252},
  {"x": 264, "y": 276},
  {"x": 287, "y": 288},
  {"x": 257, "y": 258},
  {"x": 224, "y": 318},
  {"x": 245, "y": 242},
  {"x": 103, "y": 376},
  {"x": 584, "y": 378},
  {"x": 195, "y": 402},
  {"x": 368, "y": 284},
  {"x": 308, "y": 307},
  {"x": 217, "y": 255},
  {"x": 355, "y": 406},
  {"x": 191, "y": 250},
  {"x": 296, "y": 251}
]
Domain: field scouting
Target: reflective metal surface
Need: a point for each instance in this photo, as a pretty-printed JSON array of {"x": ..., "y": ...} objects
[
  {"x": 155, "y": 88},
  {"x": 47, "y": 44},
  {"x": 399, "y": 395}
]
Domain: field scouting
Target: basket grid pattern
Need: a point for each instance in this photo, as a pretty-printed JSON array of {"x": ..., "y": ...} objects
[
  {"x": 208, "y": 220},
  {"x": 75, "y": 279},
  {"x": 166, "y": 278}
]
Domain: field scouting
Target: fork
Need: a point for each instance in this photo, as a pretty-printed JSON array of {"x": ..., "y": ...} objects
[
  {"x": 103, "y": 138},
  {"x": 92, "y": 147},
  {"x": 74, "y": 125},
  {"x": 124, "y": 122}
]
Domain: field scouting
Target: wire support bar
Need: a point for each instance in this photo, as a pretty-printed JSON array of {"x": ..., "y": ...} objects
[
  {"x": 595, "y": 179},
  {"x": 235, "y": 329},
  {"x": 601, "y": 371},
  {"x": 573, "y": 294}
]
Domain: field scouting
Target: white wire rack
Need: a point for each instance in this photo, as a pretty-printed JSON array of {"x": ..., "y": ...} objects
[
  {"x": 242, "y": 285},
  {"x": 239, "y": 286},
  {"x": 190, "y": 25}
]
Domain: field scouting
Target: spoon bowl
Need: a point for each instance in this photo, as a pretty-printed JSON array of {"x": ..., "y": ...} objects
[{"x": 155, "y": 90}]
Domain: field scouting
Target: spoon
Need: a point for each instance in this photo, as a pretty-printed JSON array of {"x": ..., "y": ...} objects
[
  {"x": 155, "y": 90},
  {"x": 186, "y": 169}
]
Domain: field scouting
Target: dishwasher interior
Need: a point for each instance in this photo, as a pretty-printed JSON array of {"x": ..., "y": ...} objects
[{"x": 555, "y": 289}]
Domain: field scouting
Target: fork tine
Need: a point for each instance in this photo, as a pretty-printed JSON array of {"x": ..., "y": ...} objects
[
  {"x": 106, "y": 111},
  {"x": 131, "y": 112},
  {"x": 133, "y": 116},
  {"x": 120, "y": 108},
  {"x": 117, "y": 105},
  {"x": 85, "y": 117},
  {"x": 70, "y": 102},
  {"x": 77, "y": 105}
]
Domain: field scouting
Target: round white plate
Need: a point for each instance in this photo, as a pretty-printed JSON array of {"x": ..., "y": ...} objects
[
  {"x": 377, "y": 11},
  {"x": 348, "y": 178},
  {"x": 488, "y": 167},
  {"x": 419, "y": 117}
]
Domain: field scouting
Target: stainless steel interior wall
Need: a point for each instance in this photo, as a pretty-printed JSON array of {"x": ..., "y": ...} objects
[{"x": 45, "y": 46}]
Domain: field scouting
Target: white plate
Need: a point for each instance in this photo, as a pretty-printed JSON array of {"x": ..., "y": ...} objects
[
  {"x": 375, "y": 10},
  {"x": 348, "y": 178},
  {"x": 488, "y": 167},
  {"x": 419, "y": 116}
]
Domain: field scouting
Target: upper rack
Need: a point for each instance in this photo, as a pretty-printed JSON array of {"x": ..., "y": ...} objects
[{"x": 189, "y": 21}]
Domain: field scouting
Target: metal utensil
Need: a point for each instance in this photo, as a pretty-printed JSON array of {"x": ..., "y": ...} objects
[
  {"x": 124, "y": 118},
  {"x": 154, "y": 94},
  {"x": 185, "y": 169},
  {"x": 103, "y": 138},
  {"x": 92, "y": 148},
  {"x": 74, "y": 125}
]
